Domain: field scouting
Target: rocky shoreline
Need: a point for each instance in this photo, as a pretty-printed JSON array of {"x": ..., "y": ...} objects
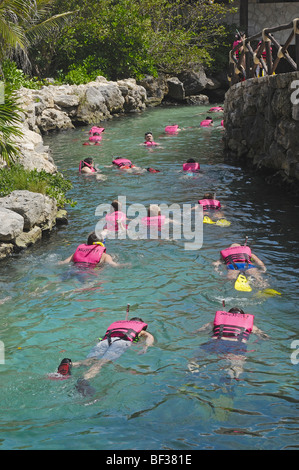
[{"x": 26, "y": 216}]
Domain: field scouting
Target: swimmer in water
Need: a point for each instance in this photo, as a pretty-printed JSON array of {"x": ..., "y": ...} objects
[
  {"x": 211, "y": 206},
  {"x": 149, "y": 140},
  {"x": 119, "y": 336},
  {"x": 239, "y": 258},
  {"x": 93, "y": 252},
  {"x": 87, "y": 166},
  {"x": 231, "y": 330},
  {"x": 115, "y": 220}
]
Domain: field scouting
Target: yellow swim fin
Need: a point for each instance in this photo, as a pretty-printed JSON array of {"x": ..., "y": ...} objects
[
  {"x": 270, "y": 292},
  {"x": 223, "y": 222},
  {"x": 207, "y": 220},
  {"x": 242, "y": 284}
]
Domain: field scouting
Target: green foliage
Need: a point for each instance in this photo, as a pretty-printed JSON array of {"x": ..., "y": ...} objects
[
  {"x": 17, "y": 178},
  {"x": 16, "y": 78},
  {"x": 121, "y": 38},
  {"x": 9, "y": 120},
  {"x": 80, "y": 73}
]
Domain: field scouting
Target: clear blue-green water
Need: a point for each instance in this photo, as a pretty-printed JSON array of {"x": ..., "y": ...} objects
[{"x": 152, "y": 401}]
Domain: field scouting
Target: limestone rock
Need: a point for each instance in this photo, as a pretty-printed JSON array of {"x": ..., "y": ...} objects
[
  {"x": 11, "y": 224},
  {"x": 26, "y": 239},
  {"x": 176, "y": 89},
  {"x": 5, "y": 250},
  {"x": 35, "y": 208}
]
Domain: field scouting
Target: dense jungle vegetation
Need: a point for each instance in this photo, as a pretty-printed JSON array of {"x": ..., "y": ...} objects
[{"x": 73, "y": 41}]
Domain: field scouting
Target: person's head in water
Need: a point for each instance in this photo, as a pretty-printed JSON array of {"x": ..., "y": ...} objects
[
  {"x": 87, "y": 162},
  {"x": 208, "y": 196},
  {"x": 236, "y": 310},
  {"x": 191, "y": 160},
  {"x": 153, "y": 210},
  {"x": 116, "y": 205},
  {"x": 94, "y": 239},
  {"x": 148, "y": 136}
]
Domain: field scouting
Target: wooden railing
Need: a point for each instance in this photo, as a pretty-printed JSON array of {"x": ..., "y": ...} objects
[{"x": 244, "y": 61}]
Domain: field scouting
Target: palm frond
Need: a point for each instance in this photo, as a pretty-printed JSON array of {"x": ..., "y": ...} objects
[{"x": 40, "y": 29}]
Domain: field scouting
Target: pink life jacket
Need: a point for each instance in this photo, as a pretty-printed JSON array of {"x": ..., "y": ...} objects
[
  {"x": 206, "y": 123},
  {"x": 264, "y": 53},
  {"x": 171, "y": 129},
  {"x": 95, "y": 138},
  {"x": 113, "y": 220},
  {"x": 238, "y": 254},
  {"x": 209, "y": 204},
  {"x": 191, "y": 166},
  {"x": 232, "y": 325},
  {"x": 125, "y": 329},
  {"x": 96, "y": 129},
  {"x": 222, "y": 123},
  {"x": 235, "y": 44},
  {"x": 215, "y": 109},
  {"x": 122, "y": 162},
  {"x": 89, "y": 254},
  {"x": 149, "y": 144},
  {"x": 156, "y": 221},
  {"x": 86, "y": 164}
]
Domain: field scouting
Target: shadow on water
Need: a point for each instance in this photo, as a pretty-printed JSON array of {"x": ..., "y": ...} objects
[{"x": 50, "y": 311}]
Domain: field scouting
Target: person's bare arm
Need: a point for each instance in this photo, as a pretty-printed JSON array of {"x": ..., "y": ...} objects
[
  {"x": 217, "y": 265},
  {"x": 108, "y": 259},
  {"x": 86, "y": 170},
  {"x": 67, "y": 260},
  {"x": 147, "y": 339},
  {"x": 207, "y": 326},
  {"x": 259, "y": 333},
  {"x": 258, "y": 262}
]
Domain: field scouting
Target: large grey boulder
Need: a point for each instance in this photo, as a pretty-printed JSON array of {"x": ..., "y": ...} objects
[
  {"x": 35, "y": 208},
  {"x": 194, "y": 82},
  {"x": 176, "y": 89},
  {"x": 11, "y": 224},
  {"x": 52, "y": 119}
]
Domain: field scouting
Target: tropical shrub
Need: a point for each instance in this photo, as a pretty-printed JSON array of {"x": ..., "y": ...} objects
[{"x": 18, "y": 178}]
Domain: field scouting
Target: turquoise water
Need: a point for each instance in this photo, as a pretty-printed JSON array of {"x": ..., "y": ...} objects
[{"x": 152, "y": 401}]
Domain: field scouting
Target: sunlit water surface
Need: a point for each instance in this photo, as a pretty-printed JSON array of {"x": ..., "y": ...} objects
[{"x": 152, "y": 401}]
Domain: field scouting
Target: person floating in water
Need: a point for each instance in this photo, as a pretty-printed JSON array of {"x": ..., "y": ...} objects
[
  {"x": 125, "y": 164},
  {"x": 191, "y": 166},
  {"x": 95, "y": 136},
  {"x": 149, "y": 140},
  {"x": 231, "y": 330},
  {"x": 210, "y": 205},
  {"x": 86, "y": 166},
  {"x": 93, "y": 253},
  {"x": 115, "y": 220},
  {"x": 239, "y": 258},
  {"x": 172, "y": 129},
  {"x": 154, "y": 223},
  {"x": 207, "y": 122},
  {"x": 119, "y": 336}
]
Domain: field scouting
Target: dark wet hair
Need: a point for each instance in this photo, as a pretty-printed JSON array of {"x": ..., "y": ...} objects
[
  {"x": 236, "y": 310},
  {"x": 208, "y": 196},
  {"x": 93, "y": 238},
  {"x": 190, "y": 160},
  {"x": 136, "y": 319},
  {"x": 88, "y": 160},
  {"x": 148, "y": 133},
  {"x": 116, "y": 205},
  {"x": 209, "y": 118}
]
